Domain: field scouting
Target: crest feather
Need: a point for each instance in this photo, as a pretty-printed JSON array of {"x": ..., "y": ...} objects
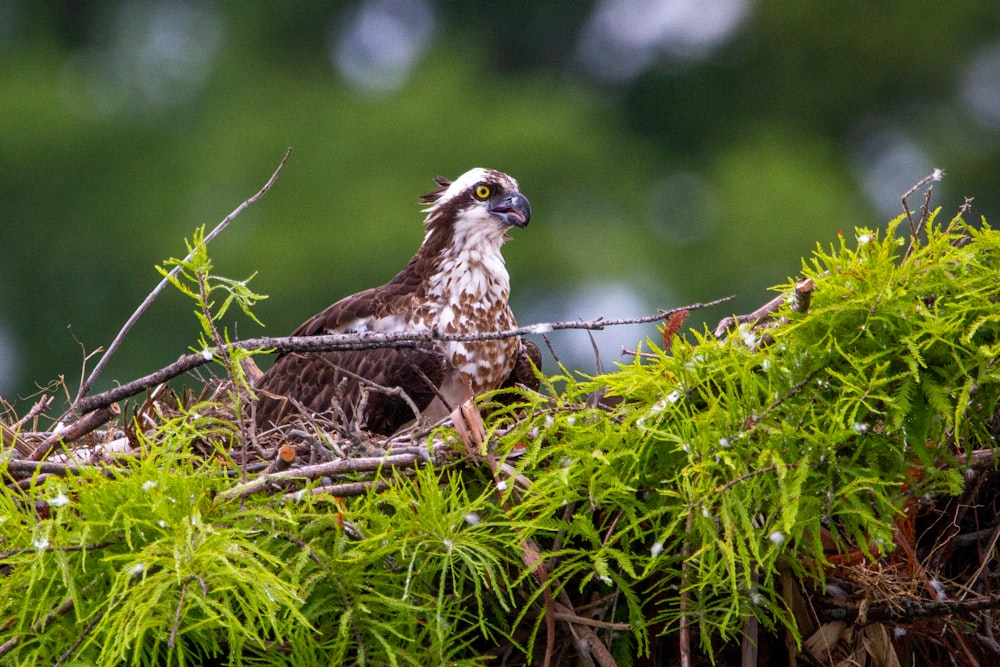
[{"x": 432, "y": 197}]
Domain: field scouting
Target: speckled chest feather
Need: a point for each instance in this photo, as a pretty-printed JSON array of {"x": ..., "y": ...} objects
[{"x": 468, "y": 294}]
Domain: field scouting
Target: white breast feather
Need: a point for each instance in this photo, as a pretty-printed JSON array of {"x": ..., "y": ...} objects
[{"x": 390, "y": 324}]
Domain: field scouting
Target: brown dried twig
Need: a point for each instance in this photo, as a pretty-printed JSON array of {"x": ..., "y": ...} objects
[
  {"x": 902, "y": 610},
  {"x": 801, "y": 299},
  {"x": 917, "y": 227},
  {"x": 328, "y": 468},
  {"x": 76, "y": 430},
  {"x": 38, "y": 408},
  {"x": 359, "y": 341},
  {"x": 15, "y": 467}
]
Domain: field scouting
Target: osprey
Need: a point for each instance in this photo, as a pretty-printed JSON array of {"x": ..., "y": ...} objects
[{"x": 457, "y": 283}]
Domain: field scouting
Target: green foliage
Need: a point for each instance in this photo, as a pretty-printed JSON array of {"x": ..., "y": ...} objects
[
  {"x": 193, "y": 277},
  {"x": 723, "y": 461}
]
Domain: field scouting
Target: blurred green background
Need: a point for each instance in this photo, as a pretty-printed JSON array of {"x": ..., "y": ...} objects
[{"x": 673, "y": 151}]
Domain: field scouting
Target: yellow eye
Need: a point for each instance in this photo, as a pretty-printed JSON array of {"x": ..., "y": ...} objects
[{"x": 482, "y": 191}]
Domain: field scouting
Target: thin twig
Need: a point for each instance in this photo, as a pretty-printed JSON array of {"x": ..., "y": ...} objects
[
  {"x": 89, "y": 382},
  {"x": 598, "y": 366},
  {"x": 935, "y": 175},
  {"x": 801, "y": 299},
  {"x": 589, "y": 646},
  {"x": 684, "y": 633},
  {"x": 83, "y": 635},
  {"x": 172, "y": 639},
  {"x": 343, "y": 490},
  {"x": 38, "y": 408},
  {"x": 916, "y": 228},
  {"x": 336, "y": 467},
  {"x": 17, "y": 468},
  {"x": 593, "y": 622},
  {"x": 753, "y": 473},
  {"x": 358, "y": 341},
  {"x": 902, "y": 609},
  {"x": 382, "y": 389},
  {"x": 76, "y": 430}
]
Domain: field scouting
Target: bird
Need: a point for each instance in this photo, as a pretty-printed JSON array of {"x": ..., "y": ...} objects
[{"x": 456, "y": 283}]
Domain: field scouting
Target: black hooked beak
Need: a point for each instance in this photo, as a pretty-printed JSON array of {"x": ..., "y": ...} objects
[{"x": 513, "y": 210}]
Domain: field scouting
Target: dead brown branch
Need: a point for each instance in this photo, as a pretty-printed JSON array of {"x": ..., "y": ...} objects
[
  {"x": 363, "y": 464},
  {"x": 916, "y": 228},
  {"x": 801, "y": 298},
  {"x": 903, "y": 610},
  {"x": 76, "y": 430},
  {"x": 360, "y": 341},
  {"x": 344, "y": 490},
  {"x": 15, "y": 466}
]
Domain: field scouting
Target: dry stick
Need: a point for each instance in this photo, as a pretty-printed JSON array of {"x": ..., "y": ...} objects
[
  {"x": 89, "y": 382},
  {"x": 342, "y": 490},
  {"x": 989, "y": 555},
  {"x": 283, "y": 460},
  {"x": 916, "y": 228},
  {"x": 68, "y": 653},
  {"x": 564, "y": 615},
  {"x": 388, "y": 391},
  {"x": 344, "y": 342},
  {"x": 172, "y": 639},
  {"x": 12, "y": 434},
  {"x": 76, "y": 430},
  {"x": 684, "y": 633},
  {"x": 15, "y": 466},
  {"x": 38, "y": 408},
  {"x": 907, "y": 610},
  {"x": 595, "y": 647},
  {"x": 337, "y": 467},
  {"x": 801, "y": 299},
  {"x": 935, "y": 175}
]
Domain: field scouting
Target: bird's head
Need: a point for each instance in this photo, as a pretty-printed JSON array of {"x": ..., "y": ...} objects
[{"x": 479, "y": 206}]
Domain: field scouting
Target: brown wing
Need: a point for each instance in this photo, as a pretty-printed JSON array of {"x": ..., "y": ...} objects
[
  {"x": 327, "y": 383},
  {"x": 351, "y": 313},
  {"x": 332, "y": 383}
]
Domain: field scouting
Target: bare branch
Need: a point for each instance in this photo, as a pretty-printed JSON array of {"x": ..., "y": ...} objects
[
  {"x": 89, "y": 382},
  {"x": 902, "y": 610},
  {"x": 38, "y": 408},
  {"x": 76, "y": 430},
  {"x": 593, "y": 622},
  {"x": 329, "y": 468},
  {"x": 916, "y": 228},
  {"x": 22, "y": 466},
  {"x": 343, "y": 490},
  {"x": 801, "y": 299},
  {"x": 360, "y": 341}
]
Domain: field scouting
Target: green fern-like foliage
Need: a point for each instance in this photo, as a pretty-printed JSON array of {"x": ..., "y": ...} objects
[{"x": 671, "y": 491}]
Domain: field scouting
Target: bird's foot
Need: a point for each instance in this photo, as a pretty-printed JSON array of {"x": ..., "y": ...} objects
[{"x": 469, "y": 423}]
